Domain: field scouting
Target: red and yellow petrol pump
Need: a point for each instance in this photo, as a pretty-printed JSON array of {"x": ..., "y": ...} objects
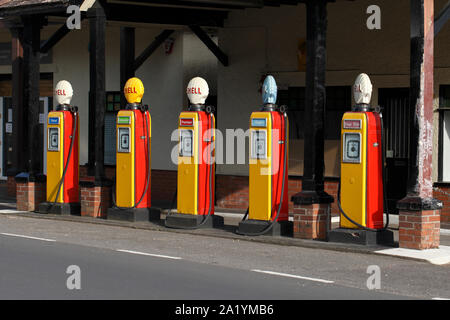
[
  {"x": 361, "y": 191},
  {"x": 196, "y": 170},
  {"x": 62, "y": 155},
  {"x": 268, "y": 211},
  {"x": 132, "y": 194}
]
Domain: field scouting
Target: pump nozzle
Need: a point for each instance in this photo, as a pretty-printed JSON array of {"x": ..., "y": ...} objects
[
  {"x": 210, "y": 109},
  {"x": 283, "y": 108}
]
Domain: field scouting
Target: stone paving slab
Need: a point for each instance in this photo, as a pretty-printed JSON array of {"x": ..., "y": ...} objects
[{"x": 438, "y": 256}]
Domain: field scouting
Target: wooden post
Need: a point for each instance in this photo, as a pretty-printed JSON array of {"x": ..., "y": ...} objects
[
  {"x": 313, "y": 177},
  {"x": 97, "y": 95},
  {"x": 30, "y": 182},
  {"x": 96, "y": 184},
  {"x": 314, "y": 119},
  {"x": 31, "y": 55},
  {"x": 419, "y": 212},
  {"x": 19, "y": 132},
  {"x": 421, "y": 98}
]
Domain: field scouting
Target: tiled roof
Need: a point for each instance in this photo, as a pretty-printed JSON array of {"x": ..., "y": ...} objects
[{"x": 23, "y": 3}]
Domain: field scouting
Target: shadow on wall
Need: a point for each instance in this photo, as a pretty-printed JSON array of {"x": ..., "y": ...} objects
[{"x": 231, "y": 191}]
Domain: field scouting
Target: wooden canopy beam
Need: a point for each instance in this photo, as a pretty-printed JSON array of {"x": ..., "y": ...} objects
[
  {"x": 56, "y": 37},
  {"x": 151, "y": 48},
  {"x": 442, "y": 18},
  {"x": 221, "y": 56}
]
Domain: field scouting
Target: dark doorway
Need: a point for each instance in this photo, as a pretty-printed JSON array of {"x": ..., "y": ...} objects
[
  {"x": 7, "y": 135},
  {"x": 395, "y": 108},
  {"x": 6, "y": 120}
]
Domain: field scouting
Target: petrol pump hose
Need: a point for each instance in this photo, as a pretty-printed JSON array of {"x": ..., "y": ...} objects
[
  {"x": 74, "y": 111},
  {"x": 205, "y": 218},
  {"x": 270, "y": 226},
  {"x": 384, "y": 189},
  {"x": 148, "y": 170}
]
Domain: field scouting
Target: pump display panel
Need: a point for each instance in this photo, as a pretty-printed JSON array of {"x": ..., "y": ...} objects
[
  {"x": 352, "y": 148},
  {"x": 186, "y": 143},
  {"x": 123, "y": 137},
  {"x": 53, "y": 139},
  {"x": 259, "y": 144}
]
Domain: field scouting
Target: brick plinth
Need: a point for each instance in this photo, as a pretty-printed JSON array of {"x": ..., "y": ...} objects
[
  {"x": 231, "y": 190},
  {"x": 310, "y": 221},
  {"x": 419, "y": 229},
  {"x": 94, "y": 200},
  {"x": 29, "y": 195}
]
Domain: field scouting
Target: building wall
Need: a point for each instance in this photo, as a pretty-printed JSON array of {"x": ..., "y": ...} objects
[
  {"x": 257, "y": 42},
  {"x": 265, "y": 41},
  {"x": 199, "y": 61},
  {"x": 161, "y": 74},
  {"x": 165, "y": 77}
]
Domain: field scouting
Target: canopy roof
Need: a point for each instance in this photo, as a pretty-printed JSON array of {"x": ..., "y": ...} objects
[{"x": 181, "y": 12}]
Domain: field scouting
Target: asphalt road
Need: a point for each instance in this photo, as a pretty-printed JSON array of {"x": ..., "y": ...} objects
[
  {"x": 38, "y": 269},
  {"x": 124, "y": 263}
]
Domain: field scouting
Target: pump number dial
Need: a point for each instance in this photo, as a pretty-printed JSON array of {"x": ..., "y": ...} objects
[
  {"x": 259, "y": 144},
  {"x": 53, "y": 139},
  {"x": 352, "y": 148},
  {"x": 123, "y": 143}
]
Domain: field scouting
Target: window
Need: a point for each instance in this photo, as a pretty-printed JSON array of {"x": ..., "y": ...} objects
[
  {"x": 444, "y": 133},
  {"x": 113, "y": 101},
  {"x": 294, "y": 99},
  {"x": 338, "y": 102},
  {"x": 112, "y": 106}
]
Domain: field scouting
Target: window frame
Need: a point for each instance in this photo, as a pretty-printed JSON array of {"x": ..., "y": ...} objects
[
  {"x": 443, "y": 110},
  {"x": 284, "y": 97}
]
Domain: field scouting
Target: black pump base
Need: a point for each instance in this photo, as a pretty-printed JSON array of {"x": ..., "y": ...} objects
[
  {"x": 362, "y": 237},
  {"x": 134, "y": 214},
  {"x": 280, "y": 228},
  {"x": 182, "y": 220},
  {"x": 64, "y": 209}
]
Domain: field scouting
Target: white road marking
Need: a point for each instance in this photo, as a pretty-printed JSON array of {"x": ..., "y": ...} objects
[
  {"x": 292, "y": 276},
  {"x": 8, "y": 211},
  {"x": 149, "y": 254},
  {"x": 27, "y": 237},
  {"x": 437, "y": 298}
]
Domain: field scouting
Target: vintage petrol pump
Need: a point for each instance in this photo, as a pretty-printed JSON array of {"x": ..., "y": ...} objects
[
  {"x": 132, "y": 195},
  {"x": 196, "y": 171},
  {"x": 62, "y": 155},
  {"x": 361, "y": 191},
  {"x": 268, "y": 168}
]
